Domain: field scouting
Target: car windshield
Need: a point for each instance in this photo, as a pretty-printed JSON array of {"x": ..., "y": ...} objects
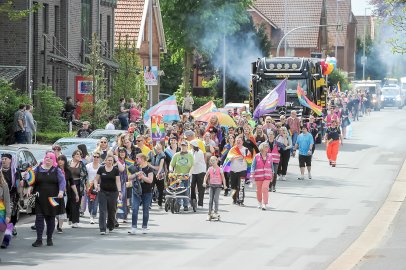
[
  {"x": 266, "y": 86},
  {"x": 390, "y": 91},
  {"x": 69, "y": 146},
  {"x": 111, "y": 137},
  {"x": 367, "y": 89}
]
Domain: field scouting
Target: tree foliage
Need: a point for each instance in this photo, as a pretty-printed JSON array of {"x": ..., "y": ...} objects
[
  {"x": 47, "y": 111},
  {"x": 338, "y": 76},
  {"x": 10, "y": 99},
  {"x": 8, "y": 8},
  {"x": 129, "y": 80},
  {"x": 393, "y": 12}
]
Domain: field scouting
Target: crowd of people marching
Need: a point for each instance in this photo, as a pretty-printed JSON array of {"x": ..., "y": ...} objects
[{"x": 216, "y": 157}]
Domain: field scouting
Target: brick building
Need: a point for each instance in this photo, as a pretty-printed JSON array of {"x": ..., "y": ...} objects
[
  {"x": 132, "y": 20},
  {"x": 281, "y": 16},
  {"x": 50, "y": 46}
]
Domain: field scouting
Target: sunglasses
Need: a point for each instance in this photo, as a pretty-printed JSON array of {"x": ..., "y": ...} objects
[
  {"x": 138, "y": 140},
  {"x": 56, "y": 149},
  {"x": 103, "y": 142},
  {"x": 96, "y": 157}
]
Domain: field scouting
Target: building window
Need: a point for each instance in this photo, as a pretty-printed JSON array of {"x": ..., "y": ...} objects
[
  {"x": 86, "y": 21},
  {"x": 108, "y": 36},
  {"x": 45, "y": 18}
]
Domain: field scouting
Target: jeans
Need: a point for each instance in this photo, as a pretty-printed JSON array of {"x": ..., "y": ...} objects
[
  {"x": 123, "y": 122},
  {"x": 214, "y": 198},
  {"x": 184, "y": 183},
  {"x": 294, "y": 140},
  {"x": 160, "y": 185},
  {"x": 197, "y": 180},
  {"x": 19, "y": 136},
  {"x": 93, "y": 206},
  {"x": 28, "y": 137},
  {"x": 145, "y": 198},
  {"x": 107, "y": 209}
]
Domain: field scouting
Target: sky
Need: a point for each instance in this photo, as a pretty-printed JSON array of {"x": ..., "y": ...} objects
[{"x": 358, "y": 7}]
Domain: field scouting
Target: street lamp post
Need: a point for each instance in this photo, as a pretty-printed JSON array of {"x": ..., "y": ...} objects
[
  {"x": 363, "y": 53},
  {"x": 301, "y": 27}
]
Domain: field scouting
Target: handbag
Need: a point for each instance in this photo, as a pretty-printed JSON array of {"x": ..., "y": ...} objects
[{"x": 31, "y": 199}]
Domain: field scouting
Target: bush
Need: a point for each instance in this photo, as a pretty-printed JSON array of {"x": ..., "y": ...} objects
[
  {"x": 51, "y": 137},
  {"x": 48, "y": 110},
  {"x": 200, "y": 101},
  {"x": 10, "y": 99}
]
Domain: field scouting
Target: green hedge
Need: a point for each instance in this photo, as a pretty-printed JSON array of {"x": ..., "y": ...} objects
[{"x": 51, "y": 137}]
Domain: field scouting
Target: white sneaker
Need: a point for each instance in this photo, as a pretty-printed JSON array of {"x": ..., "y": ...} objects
[
  {"x": 259, "y": 205},
  {"x": 264, "y": 207},
  {"x": 310, "y": 176},
  {"x": 208, "y": 217},
  {"x": 283, "y": 177},
  {"x": 144, "y": 230},
  {"x": 70, "y": 222},
  {"x": 91, "y": 220},
  {"x": 133, "y": 231},
  {"x": 75, "y": 225},
  {"x": 103, "y": 233}
]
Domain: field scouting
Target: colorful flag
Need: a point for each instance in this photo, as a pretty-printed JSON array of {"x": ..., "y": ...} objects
[
  {"x": 129, "y": 162},
  {"x": 157, "y": 128},
  {"x": 306, "y": 102},
  {"x": 235, "y": 152},
  {"x": 206, "y": 108},
  {"x": 30, "y": 176},
  {"x": 276, "y": 97},
  {"x": 338, "y": 87},
  {"x": 167, "y": 107},
  {"x": 2, "y": 212},
  {"x": 52, "y": 201}
]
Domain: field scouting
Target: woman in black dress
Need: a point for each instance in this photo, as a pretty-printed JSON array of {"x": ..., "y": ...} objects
[{"x": 49, "y": 186}]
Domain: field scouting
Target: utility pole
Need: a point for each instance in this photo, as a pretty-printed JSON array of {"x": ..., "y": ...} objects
[
  {"x": 150, "y": 49},
  {"x": 224, "y": 70},
  {"x": 364, "y": 60}
]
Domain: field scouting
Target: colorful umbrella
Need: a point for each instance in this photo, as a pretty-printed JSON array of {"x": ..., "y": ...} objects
[{"x": 224, "y": 119}]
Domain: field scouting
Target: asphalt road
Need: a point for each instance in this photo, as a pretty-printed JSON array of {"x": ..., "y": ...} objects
[{"x": 310, "y": 222}]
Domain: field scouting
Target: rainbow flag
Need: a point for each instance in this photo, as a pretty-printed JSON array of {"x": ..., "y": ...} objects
[
  {"x": 338, "y": 87},
  {"x": 206, "y": 108},
  {"x": 157, "y": 128},
  {"x": 235, "y": 152},
  {"x": 52, "y": 201},
  {"x": 224, "y": 151},
  {"x": 30, "y": 176},
  {"x": 129, "y": 162},
  {"x": 306, "y": 102},
  {"x": 2, "y": 212}
]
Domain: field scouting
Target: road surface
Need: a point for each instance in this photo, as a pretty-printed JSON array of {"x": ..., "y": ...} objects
[{"x": 309, "y": 225}]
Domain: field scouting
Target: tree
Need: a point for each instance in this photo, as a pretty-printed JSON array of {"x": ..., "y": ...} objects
[
  {"x": 201, "y": 25},
  {"x": 393, "y": 12},
  {"x": 13, "y": 14},
  {"x": 47, "y": 112},
  {"x": 173, "y": 69},
  {"x": 129, "y": 80},
  {"x": 338, "y": 76}
]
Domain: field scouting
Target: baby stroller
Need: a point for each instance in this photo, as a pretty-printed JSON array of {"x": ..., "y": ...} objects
[{"x": 175, "y": 191}]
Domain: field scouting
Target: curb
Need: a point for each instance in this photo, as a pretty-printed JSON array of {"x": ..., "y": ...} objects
[{"x": 377, "y": 228}]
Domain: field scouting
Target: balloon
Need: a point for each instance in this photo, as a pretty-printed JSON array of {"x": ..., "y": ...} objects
[
  {"x": 330, "y": 69},
  {"x": 332, "y": 60},
  {"x": 324, "y": 67}
]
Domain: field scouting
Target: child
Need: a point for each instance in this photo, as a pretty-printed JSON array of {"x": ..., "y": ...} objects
[{"x": 215, "y": 178}]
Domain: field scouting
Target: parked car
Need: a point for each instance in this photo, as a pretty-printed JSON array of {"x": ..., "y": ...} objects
[
  {"x": 111, "y": 135},
  {"x": 392, "y": 97},
  {"x": 68, "y": 145},
  {"x": 24, "y": 159},
  {"x": 38, "y": 150}
]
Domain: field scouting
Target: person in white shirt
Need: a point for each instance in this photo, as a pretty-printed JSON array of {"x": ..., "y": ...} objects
[
  {"x": 110, "y": 124},
  {"x": 198, "y": 172}
]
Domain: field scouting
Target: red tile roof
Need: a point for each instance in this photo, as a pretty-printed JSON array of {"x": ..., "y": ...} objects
[
  {"x": 344, "y": 16},
  {"x": 298, "y": 13},
  {"x": 128, "y": 16}
]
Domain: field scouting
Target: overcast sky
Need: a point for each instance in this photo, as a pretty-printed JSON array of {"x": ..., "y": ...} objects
[{"x": 358, "y": 7}]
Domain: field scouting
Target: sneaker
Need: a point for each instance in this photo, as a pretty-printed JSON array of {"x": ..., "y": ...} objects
[
  {"x": 59, "y": 230},
  {"x": 310, "y": 176},
  {"x": 273, "y": 189},
  {"x": 259, "y": 205},
  {"x": 133, "y": 231},
  {"x": 144, "y": 230},
  {"x": 102, "y": 233},
  {"x": 263, "y": 207},
  {"x": 81, "y": 214},
  {"x": 208, "y": 217},
  {"x": 75, "y": 225},
  {"x": 70, "y": 222},
  {"x": 37, "y": 243},
  {"x": 14, "y": 233},
  {"x": 91, "y": 220},
  {"x": 110, "y": 230},
  {"x": 283, "y": 177},
  {"x": 33, "y": 228},
  {"x": 124, "y": 221},
  {"x": 300, "y": 178},
  {"x": 116, "y": 225},
  {"x": 49, "y": 242},
  {"x": 185, "y": 208},
  {"x": 279, "y": 177}
]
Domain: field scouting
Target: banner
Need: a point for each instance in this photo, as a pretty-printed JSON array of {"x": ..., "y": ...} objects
[{"x": 157, "y": 128}]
